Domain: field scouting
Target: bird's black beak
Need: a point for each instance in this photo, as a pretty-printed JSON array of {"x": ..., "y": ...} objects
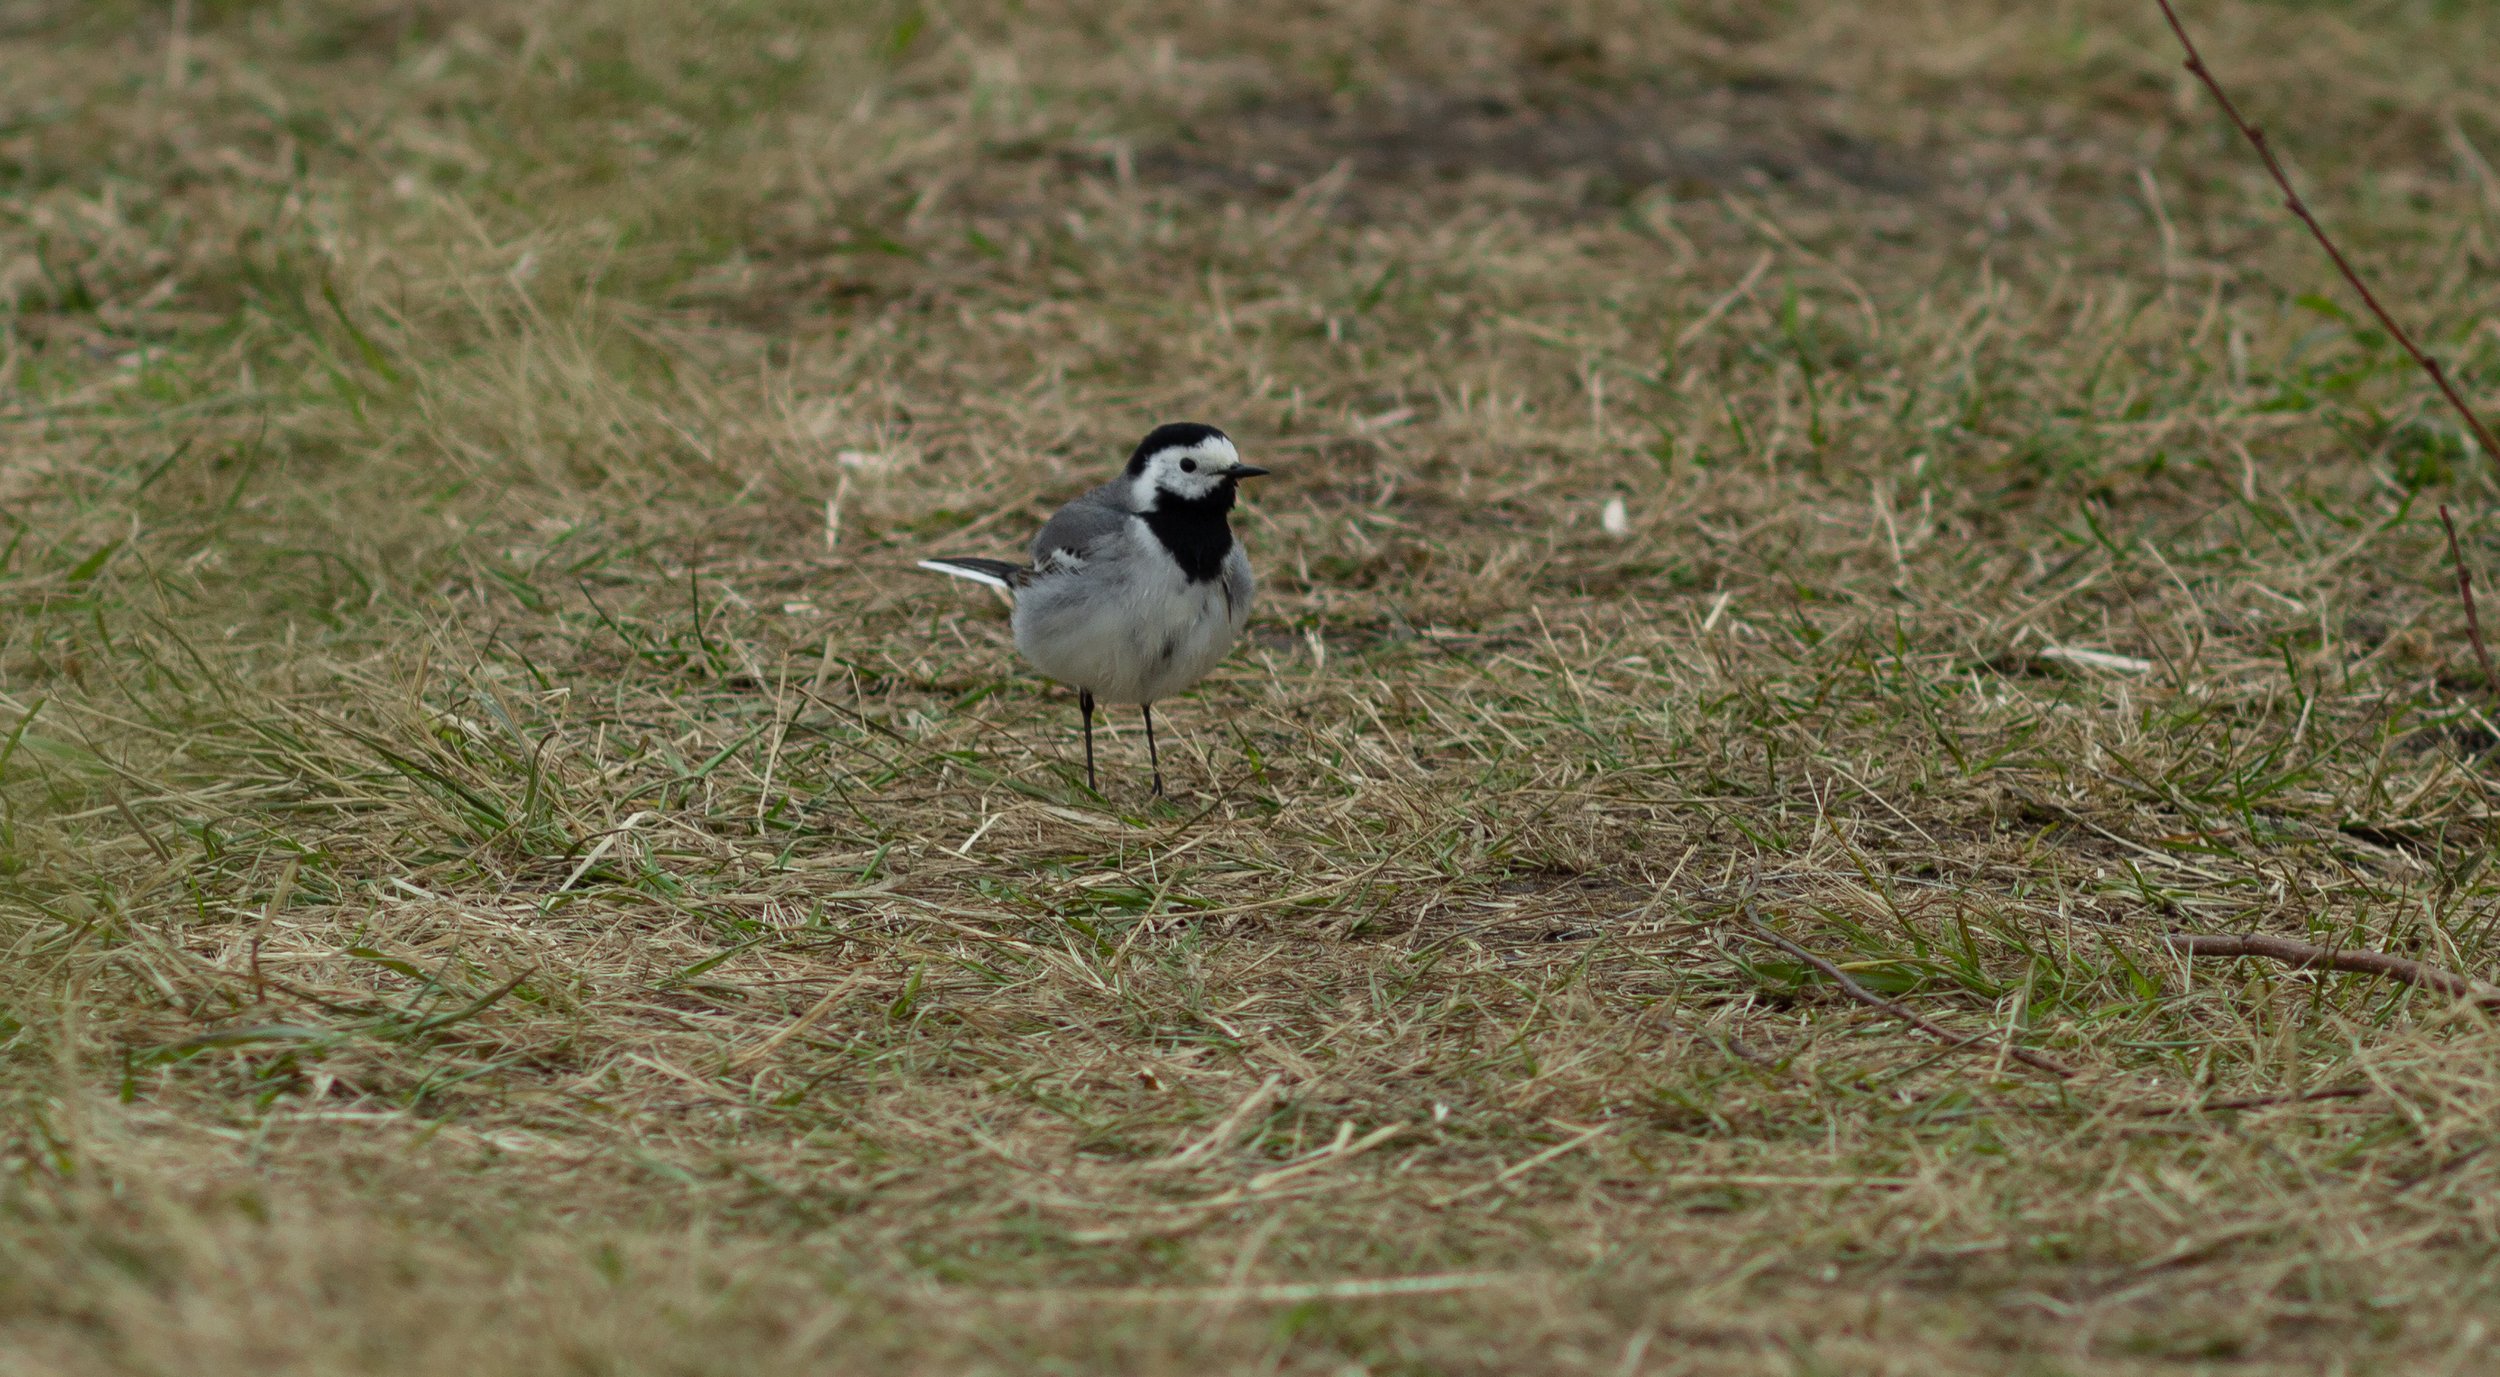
[{"x": 1245, "y": 471}]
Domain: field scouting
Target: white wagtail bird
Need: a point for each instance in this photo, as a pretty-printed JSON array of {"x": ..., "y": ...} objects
[{"x": 1137, "y": 588}]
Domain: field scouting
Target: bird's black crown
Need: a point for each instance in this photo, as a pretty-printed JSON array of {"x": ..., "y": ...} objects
[{"x": 1175, "y": 435}]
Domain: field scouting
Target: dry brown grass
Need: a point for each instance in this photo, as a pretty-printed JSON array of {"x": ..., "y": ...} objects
[{"x": 504, "y": 869}]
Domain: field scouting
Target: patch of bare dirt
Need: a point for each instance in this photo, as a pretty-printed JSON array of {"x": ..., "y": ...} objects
[{"x": 1600, "y": 147}]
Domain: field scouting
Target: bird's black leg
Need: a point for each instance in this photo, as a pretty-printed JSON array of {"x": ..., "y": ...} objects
[
  {"x": 1085, "y": 705},
  {"x": 1153, "y": 759}
]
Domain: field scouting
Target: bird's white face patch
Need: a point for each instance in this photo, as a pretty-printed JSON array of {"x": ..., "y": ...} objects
[{"x": 1184, "y": 471}]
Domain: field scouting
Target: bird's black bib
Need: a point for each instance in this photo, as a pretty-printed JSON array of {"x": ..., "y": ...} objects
[{"x": 1194, "y": 532}]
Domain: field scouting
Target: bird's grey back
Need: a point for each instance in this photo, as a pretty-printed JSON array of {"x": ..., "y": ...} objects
[{"x": 1085, "y": 524}]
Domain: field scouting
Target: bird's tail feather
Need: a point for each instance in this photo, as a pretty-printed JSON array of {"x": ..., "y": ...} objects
[{"x": 997, "y": 573}]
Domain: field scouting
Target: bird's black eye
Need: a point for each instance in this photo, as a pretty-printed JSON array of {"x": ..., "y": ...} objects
[{"x": 1189, "y": 466}]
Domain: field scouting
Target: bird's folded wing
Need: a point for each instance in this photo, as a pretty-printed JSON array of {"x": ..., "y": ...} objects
[{"x": 1079, "y": 533}]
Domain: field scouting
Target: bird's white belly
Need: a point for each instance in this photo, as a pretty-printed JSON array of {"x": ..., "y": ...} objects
[{"x": 1144, "y": 643}]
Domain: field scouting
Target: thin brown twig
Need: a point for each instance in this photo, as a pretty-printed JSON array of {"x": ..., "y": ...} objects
[
  {"x": 2344, "y": 1092},
  {"x": 2291, "y": 201},
  {"x": 2310, "y": 956},
  {"x": 2445, "y": 1167},
  {"x": 2038, "y": 1061},
  {"x": 2465, "y": 591}
]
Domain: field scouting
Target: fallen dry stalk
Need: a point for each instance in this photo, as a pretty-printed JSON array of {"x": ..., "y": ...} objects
[
  {"x": 2310, "y": 956},
  {"x": 1526, "y": 1165},
  {"x": 857, "y": 976},
  {"x": 2289, "y": 1097},
  {"x": 2291, "y": 201},
  {"x": 2038, "y": 1061},
  {"x": 1275, "y": 1293}
]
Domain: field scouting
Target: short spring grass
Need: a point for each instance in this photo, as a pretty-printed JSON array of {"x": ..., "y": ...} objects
[{"x": 505, "y": 868}]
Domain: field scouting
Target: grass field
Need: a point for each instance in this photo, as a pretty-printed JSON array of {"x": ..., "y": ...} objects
[{"x": 505, "y": 868}]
